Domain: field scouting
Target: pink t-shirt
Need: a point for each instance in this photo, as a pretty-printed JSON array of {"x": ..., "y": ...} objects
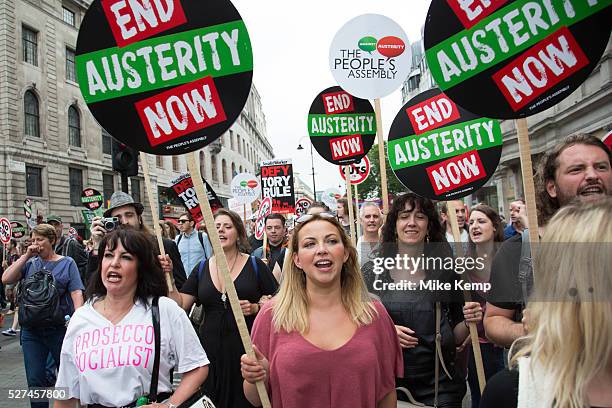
[{"x": 358, "y": 374}]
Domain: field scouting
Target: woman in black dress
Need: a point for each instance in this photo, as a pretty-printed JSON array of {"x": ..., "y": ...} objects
[
  {"x": 413, "y": 231},
  {"x": 219, "y": 333}
]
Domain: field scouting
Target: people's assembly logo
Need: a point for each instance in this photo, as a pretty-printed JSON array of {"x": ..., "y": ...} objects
[
  {"x": 389, "y": 46},
  {"x": 249, "y": 184}
]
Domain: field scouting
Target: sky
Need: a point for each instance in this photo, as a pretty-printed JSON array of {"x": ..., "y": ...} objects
[{"x": 291, "y": 41}]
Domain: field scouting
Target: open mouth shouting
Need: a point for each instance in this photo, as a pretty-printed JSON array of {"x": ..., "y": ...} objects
[
  {"x": 592, "y": 190},
  {"x": 113, "y": 277},
  {"x": 324, "y": 265}
]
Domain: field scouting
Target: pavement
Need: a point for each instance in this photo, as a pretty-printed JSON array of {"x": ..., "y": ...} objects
[{"x": 12, "y": 372}]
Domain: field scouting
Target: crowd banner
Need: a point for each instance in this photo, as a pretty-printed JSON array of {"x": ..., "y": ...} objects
[
  {"x": 330, "y": 198},
  {"x": 169, "y": 81},
  {"x": 341, "y": 127},
  {"x": 441, "y": 151},
  {"x": 522, "y": 56},
  {"x": 301, "y": 206},
  {"x": 278, "y": 184},
  {"x": 92, "y": 200},
  {"x": 369, "y": 58},
  {"x": 183, "y": 187},
  {"x": 5, "y": 235},
  {"x": 359, "y": 171},
  {"x": 18, "y": 230},
  {"x": 265, "y": 209}
]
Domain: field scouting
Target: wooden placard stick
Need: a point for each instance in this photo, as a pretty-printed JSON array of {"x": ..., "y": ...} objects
[
  {"x": 155, "y": 215},
  {"x": 349, "y": 197},
  {"x": 382, "y": 163},
  {"x": 522, "y": 132},
  {"x": 222, "y": 266},
  {"x": 264, "y": 244},
  {"x": 358, "y": 223},
  {"x": 452, "y": 218}
]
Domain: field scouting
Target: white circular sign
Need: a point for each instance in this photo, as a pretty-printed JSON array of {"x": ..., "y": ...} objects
[
  {"x": 265, "y": 208},
  {"x": 359, "y": 172},
  {"x": 301, "y": 206},
  {"x": 245, "y": 188},
  {"x": 5, "y": 231},
  {"x": 330, "y": 197},
  {"x": 370, "y": 56}
]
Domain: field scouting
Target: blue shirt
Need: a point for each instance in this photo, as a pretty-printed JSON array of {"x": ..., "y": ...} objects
[
  {"x": 191, "y": 249},
  {"x": 66, "y": 276},
  {"x": 510, "y": 231}
]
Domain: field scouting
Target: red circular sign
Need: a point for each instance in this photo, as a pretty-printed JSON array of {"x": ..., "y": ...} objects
[
  {"x": 5, "y": 231},
  {"x": 359, "y": 171},
  {"x": 301, "y": 206},
  {"x": 265, "y": 208}
]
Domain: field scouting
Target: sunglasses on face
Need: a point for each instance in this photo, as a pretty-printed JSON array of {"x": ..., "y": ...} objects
[
  {"x": 182, "y": 221},
  {"x": 307, "y": 217}
]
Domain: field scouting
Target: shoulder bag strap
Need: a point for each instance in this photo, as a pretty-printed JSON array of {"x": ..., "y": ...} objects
[
  {"x": 255, "y": 267},
  {"x": 156, "y": 330}
]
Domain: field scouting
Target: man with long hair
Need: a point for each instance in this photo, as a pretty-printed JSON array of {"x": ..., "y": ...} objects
[{"x": 578, "y": 168}]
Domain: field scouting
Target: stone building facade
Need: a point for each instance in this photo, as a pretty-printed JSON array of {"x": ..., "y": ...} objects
[{"x": 51, "y": 147}]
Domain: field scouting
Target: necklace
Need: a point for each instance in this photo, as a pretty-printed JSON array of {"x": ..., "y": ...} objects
[
  {"x": 114, "y": 319},
  {"x": 223, "y": 291}
]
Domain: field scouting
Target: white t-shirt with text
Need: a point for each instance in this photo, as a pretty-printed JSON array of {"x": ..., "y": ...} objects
[{"x": 112, "y": 365}]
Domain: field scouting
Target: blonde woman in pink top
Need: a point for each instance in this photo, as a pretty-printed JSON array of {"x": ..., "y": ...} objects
[{"x": 323, "y": 341}]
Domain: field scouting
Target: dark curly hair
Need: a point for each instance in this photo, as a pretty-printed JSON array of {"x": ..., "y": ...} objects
[
  {"x": 435, "y": 231},
  {"x": 242, "y": 242},
  {"x": 151, "y": 280}
]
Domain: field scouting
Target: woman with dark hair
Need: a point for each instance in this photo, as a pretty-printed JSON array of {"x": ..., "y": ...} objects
[
  {"x": 42, "y": 328},
  {"x": 168, "y": 229},
  {"x": 108, "y": 354},
  {"x": 219, "y": 332},
  {"x": 486, "y": 236},
  {"x": 413, "y": 234}
]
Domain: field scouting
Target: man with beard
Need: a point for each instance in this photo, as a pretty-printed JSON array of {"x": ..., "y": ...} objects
[
  {"x": 371, "y": 221},
  {"x": 579, "y": 168}
]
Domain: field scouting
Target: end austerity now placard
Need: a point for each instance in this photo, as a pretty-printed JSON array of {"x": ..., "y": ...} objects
[
  {"x": 513, "y": 58},
  {"x": 164, "y": 76},
  {"x": 441, "y": 151}
]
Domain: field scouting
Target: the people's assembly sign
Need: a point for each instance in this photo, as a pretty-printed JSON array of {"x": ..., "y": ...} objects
[
  {"x": 164, "y": 76},
  {"x": 514, "y": 58},
  {"x": 277, "y": 183}
]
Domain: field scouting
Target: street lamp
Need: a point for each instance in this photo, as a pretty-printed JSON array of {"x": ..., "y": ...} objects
[{"x": 314, "y": 188}]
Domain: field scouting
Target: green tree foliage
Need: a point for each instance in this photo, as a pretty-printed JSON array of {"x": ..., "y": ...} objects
[{"x": 371, "y": 187}]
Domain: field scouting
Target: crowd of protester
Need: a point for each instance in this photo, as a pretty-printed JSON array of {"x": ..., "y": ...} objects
[{"x": 330, "y": 327}]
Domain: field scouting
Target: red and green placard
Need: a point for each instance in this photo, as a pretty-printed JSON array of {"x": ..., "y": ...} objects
[
  {"x": 18, "y": 230},
  {"x": 92, "y": 199},
  {"x": 342, "y": 128},
  {"x": 166, "y": 76},
  {"x": 441, "y": 151},
  {"x": 510, "y": 59}
]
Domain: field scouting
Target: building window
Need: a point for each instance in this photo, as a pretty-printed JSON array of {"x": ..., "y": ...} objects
[
  {"x": 202, "y": 165},
  {"x": 107, "y": 142},
  {"x": 76, "y": 186},
  {"x": 238, "y": 140},
  {"x": 70, "y": 66},
  {"x": 232, "y": 139},
  {"x": 234, "y": 170},
  {"x": 34, "y": 181},
  {"x": 244, "y": 146},
  {"x": 108, "y": 187},
  {"x": 213, "y": 168},
  {"x": 30, "y": 108},
  {"x": 175, "y": 163},
  {"x": 241, "y": 169},
  {"x": 74, "y": 127},
  {"x": 30, "y": 45},
  {"x": 135, "y": 188},
  {"x": 68, "y": 16},
  {"x": 224, "y": 171},
  {"x": 159, "y": 161}
]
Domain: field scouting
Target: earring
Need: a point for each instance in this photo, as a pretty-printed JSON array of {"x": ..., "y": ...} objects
[{"x": 427, "y": 238}]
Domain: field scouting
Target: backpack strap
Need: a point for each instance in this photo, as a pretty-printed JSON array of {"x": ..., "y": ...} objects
[
  {"x": 201, "y": 238},
  {"x": 178, "y": 239},
  {"x": 157, "y": 333}
]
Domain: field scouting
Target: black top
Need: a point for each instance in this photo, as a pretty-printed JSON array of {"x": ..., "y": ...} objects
[
  {"x": 502, "y": 391},
  {"x": 506, "y": 290},
  {"x": 178, "y": 271}
]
